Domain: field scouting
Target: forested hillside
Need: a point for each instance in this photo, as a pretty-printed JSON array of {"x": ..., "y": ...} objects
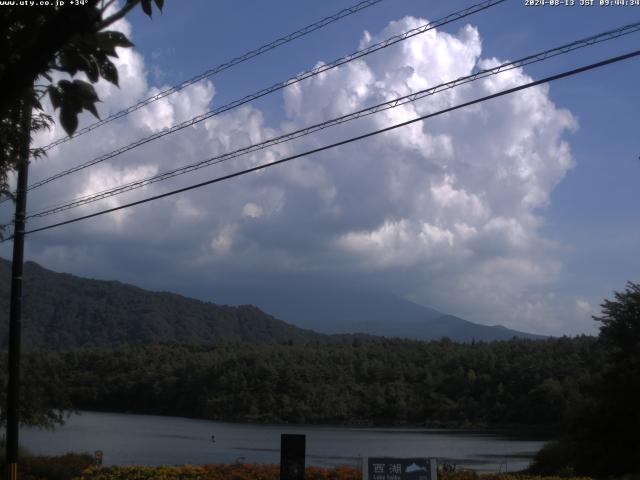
[
  {"x": 64, "y": 311},
  {"x": 518, "y": 382}
]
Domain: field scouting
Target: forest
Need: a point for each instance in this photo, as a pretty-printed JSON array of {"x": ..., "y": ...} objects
[
  {"x": 584, "y": 391},
  {"x": 385, "y": 382}
]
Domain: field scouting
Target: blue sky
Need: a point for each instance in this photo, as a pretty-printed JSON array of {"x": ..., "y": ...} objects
[{"x": 565, "y": 251}]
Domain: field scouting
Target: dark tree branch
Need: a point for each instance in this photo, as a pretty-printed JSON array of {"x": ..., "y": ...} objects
[
  {"x": 104, "y": 7},
  {"x": 118, "y": 15}
]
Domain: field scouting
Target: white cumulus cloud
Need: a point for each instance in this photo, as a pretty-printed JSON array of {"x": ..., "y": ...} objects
[{"x": 448, "y": 210}]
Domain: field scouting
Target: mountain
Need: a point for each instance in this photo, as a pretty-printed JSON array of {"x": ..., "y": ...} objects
[
  {"x": 333, "y": 309},
  {"x": 65, "y": 311}
]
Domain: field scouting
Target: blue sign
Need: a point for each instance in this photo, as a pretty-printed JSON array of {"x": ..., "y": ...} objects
[{"x": 387, "y": 468}]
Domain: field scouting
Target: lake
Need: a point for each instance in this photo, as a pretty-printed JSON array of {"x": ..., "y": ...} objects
[{"x": 155, "y": 440}]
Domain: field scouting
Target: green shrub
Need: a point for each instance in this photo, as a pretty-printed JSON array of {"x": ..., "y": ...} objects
[
  {"x": 555, "y": 458},
  {"x": 38, "y": 467},
  {"x": 63, "y": 467}
]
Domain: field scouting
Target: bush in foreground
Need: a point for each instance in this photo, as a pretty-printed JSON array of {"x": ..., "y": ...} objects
[
  {"x": 469, "y": 475},
  {"x": 264, "y": 472},
  {"x": 63, "y": 467},
  {"x": 213, "y": 472},
  {"x": 165, "y": 472},
  {"x": 40, "y": 467}
]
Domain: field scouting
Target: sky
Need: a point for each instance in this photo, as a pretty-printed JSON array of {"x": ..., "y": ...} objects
[{"x": 518, "y": 211}]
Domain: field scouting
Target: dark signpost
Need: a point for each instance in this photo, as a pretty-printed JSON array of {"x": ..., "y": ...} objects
[
  {"x": 292, "y": 453},
  {"x": 387, "y": 468}
]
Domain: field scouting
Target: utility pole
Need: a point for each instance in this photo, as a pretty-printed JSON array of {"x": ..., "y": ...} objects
[{"x": 15, "y": 315}]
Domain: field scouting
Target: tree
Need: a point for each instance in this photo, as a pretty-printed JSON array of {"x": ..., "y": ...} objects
[
  {"x": 44, "y": 394},
  {"x": 603, "y": 436},
  {"x": 616, "y": 432},
  {"x": 38, "y": 41}
]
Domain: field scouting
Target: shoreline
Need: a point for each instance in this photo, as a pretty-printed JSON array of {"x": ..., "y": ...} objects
[{"x": 543, "y": 432}]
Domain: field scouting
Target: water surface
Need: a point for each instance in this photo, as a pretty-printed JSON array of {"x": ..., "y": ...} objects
[{"x": 155, "y": 440}]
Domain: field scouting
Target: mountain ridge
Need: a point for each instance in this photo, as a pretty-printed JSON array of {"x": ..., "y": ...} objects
[
  {"x": 61, "y": 310},
  {"x": 332, "y": 309}
]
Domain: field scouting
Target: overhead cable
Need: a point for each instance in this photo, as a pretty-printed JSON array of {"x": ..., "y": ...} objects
[
  {"x": 344, "y": 142},
  {"x": 220, "y": 68},
  {"x": 278, "y": 86},
  {"x": 535, "y": 58}
]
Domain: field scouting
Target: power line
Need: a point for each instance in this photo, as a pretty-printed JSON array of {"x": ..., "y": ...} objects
[
  {"x": 298, "y": 78},
  {"x": 220, "y": 68},
  {"x": 278, "y": 86},
  {"x": 344, "y": 142},
  {"x": 538, "y": 57}
]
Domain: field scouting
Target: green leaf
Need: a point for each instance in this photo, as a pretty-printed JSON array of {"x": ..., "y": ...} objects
[
  {"x": 108, "y": 41},
  {"x": 70, "y": 61},
  {"x": 99, "y": 45},
  {"x": 92, "y": 108},
  {"x": 109, "y": 72},
  {"x": 75, "y": 97},
  {"x": 85, "y": 91},
  {"x": 80, "y": 58},
  {"x": 92, "y": 70},
  {"x": 55, "y": 95},
  {"x": 119, "y": 39},
  {"x": 68, "y": 119},
  {"x": 146, "y": 6}
]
